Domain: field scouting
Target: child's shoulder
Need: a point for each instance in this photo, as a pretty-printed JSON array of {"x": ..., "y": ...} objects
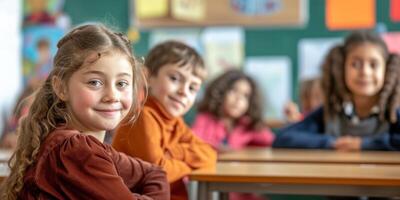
[
  {"x": 64, "y": 142},
  {"x": 154, "y": 109}
]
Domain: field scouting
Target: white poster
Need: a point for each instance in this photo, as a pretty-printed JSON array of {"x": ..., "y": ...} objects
[
  {"x": 10, "y": 69},
  {"x": 223, "y": 49},
  {"x": 273, "y": 76},
  {"x": 190, "y": 37},
  {"x": 311, "y": 54}
]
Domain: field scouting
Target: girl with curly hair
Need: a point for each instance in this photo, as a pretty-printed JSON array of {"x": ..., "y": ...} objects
[
  {"x": 231, "y": 113},
  {"x": 361, "y": 86},
  {"x": 94, "y": 85}
]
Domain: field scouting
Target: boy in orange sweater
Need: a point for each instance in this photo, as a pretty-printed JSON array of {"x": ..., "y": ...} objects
[{"x": 175, "y": 74}]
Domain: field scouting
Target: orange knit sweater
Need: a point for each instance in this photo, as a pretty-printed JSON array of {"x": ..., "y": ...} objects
[{"x": 167, "y": 141}]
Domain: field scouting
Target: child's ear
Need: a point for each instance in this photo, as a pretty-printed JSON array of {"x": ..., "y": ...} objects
[{"x": 59, "y": 88}]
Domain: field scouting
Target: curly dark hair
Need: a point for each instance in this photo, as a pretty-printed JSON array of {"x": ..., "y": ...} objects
[
  {"x": 218, "y": 89},
  {"x": 174, "y": 52},
  {"x": 333, "y": 81}
]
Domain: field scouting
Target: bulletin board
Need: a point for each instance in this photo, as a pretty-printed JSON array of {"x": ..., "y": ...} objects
[
  {"x": 223, "y": 13},
  {"x": 260, "y": 41}
]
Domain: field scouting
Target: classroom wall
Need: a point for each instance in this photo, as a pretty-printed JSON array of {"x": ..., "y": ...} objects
[{"x": 259, "y": 41}]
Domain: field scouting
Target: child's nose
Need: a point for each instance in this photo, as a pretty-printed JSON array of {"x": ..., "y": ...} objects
[
  {"x": 111, "y": 94},
  {"x": 182, "y": 90},
  {"x": 367, "y": 68}
]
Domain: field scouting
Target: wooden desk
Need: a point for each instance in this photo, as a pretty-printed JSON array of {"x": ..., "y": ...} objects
[
  {"x": 307, "y": 179},
  {"x": 311, "y": 156}
]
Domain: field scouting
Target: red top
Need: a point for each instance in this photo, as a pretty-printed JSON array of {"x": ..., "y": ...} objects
[{"x": 72, "y": 165}]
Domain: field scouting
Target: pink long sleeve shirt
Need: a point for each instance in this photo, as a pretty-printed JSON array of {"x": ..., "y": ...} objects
[{"x": 213, "y": 131}]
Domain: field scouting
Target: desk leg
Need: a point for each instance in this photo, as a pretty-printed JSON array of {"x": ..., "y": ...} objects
[
  {"x": 204, "y": 192},
  {"x": 224, "y": 195},
  {"x": 193, "y": 193}
]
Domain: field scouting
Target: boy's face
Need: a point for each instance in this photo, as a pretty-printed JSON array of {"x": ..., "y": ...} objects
[{"x": 175, "y": 87}]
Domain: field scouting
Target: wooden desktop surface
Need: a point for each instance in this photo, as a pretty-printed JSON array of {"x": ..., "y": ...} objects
[
  {"x": 305, "y": 178},
  {"x": 310, "y": 156}
]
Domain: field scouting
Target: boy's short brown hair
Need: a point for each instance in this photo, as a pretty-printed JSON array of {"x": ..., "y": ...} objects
[{"x": 174, "y": 52}]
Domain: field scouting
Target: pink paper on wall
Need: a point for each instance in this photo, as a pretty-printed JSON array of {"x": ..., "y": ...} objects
[
  {"x": 392, "y": 41},
  {"x": 395, "y": 10}
]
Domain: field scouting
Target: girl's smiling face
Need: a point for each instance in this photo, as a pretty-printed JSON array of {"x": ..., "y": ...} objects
[
  {"x": 99, "y": 95},
  {"x": 365, "y": 70}
]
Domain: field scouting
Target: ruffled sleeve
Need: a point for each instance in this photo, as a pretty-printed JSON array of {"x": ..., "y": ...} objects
[{"x": 81, "y": 167}]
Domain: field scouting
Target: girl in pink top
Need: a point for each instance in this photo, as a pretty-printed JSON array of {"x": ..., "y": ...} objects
[{"x": 230, "y": 115}]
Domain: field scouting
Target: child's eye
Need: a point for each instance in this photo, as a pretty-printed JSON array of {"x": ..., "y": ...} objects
[
  {"x": 193, "y": 89},
  {"x": 95, "y": 83},
  {"x": 374, "y": 65},
  {"x": 357, "y": 64},
  {"x": 173, "y": 77},
  {"x": 122, "y": 84}
]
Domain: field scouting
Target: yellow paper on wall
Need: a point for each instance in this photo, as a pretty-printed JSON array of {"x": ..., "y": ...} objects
[
  {"x": 151, "y": 8},
  {"x": 192, "y": 10},
  {"x": 350, "y": 14}
]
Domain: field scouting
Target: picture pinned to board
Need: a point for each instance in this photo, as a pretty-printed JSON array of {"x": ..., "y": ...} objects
[
  {"x": 45, "y": 12},
  {"x": 257, "y": 7},
  {"x": 44, "y": 23},
  {"x": 311, "y": 54},
  {"x": 39, "y": 48},
  {"x": 189, "y": 13},
  {"x": 273, "y": 75},
  {"x": 223, "y": 49}
]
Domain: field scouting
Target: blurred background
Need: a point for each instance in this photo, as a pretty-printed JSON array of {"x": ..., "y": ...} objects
[{"x": 280, "y": 43}]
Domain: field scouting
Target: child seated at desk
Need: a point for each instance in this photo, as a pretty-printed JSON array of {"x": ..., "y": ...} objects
[
  {"x": 93, "y": 86},
  {"x": 175, "y": 74},
  {"x": 361, "y": 89},
  {"x": 230, "y": 117},
  {"x": 230, "y": 114},
  {"x": 310, "y": 99}
]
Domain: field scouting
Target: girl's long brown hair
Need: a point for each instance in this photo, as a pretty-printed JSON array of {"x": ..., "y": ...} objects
[
  {"x": 48, "y": 111},
  {"x": 217, "y": 90},
  {"x": 333, "y": 82}
]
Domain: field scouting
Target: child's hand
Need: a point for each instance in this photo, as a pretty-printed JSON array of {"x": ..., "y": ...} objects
[
  {"x": 292, "y": 113},
  {"x": 224, "y": 148},
  {"x": 348, "y": 143},
  {"x": 10, "y": 141}
]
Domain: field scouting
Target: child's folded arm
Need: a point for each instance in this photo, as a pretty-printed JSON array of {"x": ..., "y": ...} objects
[
  {"x": 143, "y": 140},
  {"x": 194, "y": 151}
]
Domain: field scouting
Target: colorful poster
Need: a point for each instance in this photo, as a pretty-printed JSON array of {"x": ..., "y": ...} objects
[
  {"x": 311, "y": 54},
  {"x": 151, "y": 8},
  {"x": 257, "y": 7},
  {"x": 392, "y": 41},
  {"x": 223, "y": 49},
  {"x": 273, "y": 76},
  {"x": 39, "y": 48},
  {"x": 395, "y": 10},
  {"x": 49, "y": 12},
  {"x": 191, "y": 10},
  {"x": 354, "y": 14}
]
